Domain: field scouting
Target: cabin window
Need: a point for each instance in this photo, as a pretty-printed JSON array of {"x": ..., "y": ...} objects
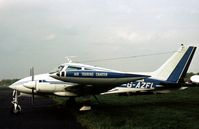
[
  {"x": 40, "y": 81},
  {"x": 73, "y": 68},
  {"x": 87, "y": 69}
]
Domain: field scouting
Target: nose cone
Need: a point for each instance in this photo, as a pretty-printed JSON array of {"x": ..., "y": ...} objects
[{"x": 13, "y": 86}]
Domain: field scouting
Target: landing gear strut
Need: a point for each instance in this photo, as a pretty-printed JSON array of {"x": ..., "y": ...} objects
[
  {"x": 73, "y": 105},
  {"x": 87, "y": 104},
  {"x": 16, "y": 108}
]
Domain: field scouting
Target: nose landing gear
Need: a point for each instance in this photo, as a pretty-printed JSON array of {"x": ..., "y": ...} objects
[{"x": 16, "y": 108}]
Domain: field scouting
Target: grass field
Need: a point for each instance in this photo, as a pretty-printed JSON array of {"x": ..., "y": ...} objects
[{"x": 176, "y": 110}]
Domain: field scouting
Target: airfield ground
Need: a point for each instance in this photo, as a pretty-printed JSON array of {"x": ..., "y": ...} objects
[
  {"x": 44, "y": 114},
  {"x": 176, "y": 110}
]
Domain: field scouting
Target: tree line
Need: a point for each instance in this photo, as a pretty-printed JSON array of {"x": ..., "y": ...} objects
[{"x": 6, "y": 82}]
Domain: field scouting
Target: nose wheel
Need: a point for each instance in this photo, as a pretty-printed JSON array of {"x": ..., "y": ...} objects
[{"x": 16, "y": 108}]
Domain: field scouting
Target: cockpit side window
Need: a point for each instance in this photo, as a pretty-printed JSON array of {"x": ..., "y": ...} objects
[
  {"x": 57, "y": 69},
  {"x": 70, "y": 68}
]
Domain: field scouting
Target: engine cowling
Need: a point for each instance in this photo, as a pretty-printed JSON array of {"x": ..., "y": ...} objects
[
  {"x": 40, "y": 87},
  {"x": 45, "y": 87},
  {"x": 30, "y": 85}
]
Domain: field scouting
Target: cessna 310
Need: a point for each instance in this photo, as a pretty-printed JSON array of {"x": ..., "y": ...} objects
[{"x": 75, "y": 79}]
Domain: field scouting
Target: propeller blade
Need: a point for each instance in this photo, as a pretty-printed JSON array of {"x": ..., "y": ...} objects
[
  {"x": 33, "y": 96},
  {"x": 32, "y": 74}
]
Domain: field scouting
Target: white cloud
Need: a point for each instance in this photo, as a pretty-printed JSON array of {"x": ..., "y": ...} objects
[
  {"x": 107, "y": 27},
  {"x": 2, "y": 3},
  {"x": 50, "y": 36},
  {"x": 138, "y": 36},
  {"x": 134, "y": 36}
]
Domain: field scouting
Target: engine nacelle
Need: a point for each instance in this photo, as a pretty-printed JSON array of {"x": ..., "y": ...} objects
[
  {"x": 45, "y": 87},
  {"x": 30, "y": 85},
  {"x": 65, "y": 94}
]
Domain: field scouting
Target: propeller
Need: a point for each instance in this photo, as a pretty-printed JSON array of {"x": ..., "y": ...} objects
[{"x": 32, "y": 74}]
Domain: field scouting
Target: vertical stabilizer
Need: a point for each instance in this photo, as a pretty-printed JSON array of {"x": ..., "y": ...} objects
[{"x": 175, "y": 68}]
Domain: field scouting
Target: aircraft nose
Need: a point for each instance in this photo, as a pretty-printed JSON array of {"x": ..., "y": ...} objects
[{"x": 12, "y": 86}]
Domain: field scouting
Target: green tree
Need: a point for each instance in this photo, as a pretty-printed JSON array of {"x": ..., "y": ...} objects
[{"x": 6, "y": 82}]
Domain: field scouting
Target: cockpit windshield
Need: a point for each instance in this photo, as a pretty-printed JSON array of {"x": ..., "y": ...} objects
[{"x": 55, "y": 70}]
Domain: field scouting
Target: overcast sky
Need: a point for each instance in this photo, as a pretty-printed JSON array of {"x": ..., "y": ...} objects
[{"x": 41, "y": 33}]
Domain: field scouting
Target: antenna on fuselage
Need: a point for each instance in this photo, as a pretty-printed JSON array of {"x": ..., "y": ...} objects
[
  {"x": 182, "y": 46},
  {"x": 69, "y": 58}
]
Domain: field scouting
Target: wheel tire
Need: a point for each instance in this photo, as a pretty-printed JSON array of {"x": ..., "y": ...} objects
[{"x": 17, "y": 110}]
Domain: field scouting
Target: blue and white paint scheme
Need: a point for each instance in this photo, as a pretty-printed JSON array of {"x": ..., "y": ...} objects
[
  {"x": 90, "y": 75},
  {"x": 168, "y": 77}
]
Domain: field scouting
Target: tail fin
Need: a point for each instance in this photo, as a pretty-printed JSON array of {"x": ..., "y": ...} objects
[{"x": 175, "y": 68}]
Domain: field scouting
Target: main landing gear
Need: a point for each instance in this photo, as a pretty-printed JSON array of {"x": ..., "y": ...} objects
[
  {"x": 16, "y": 108},
  {"x": 87, "y": 103},
  {"x": 85, "y": 106}
]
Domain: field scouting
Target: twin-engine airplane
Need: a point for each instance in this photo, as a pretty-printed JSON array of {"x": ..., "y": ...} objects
[{"x": 75, "y": 79}]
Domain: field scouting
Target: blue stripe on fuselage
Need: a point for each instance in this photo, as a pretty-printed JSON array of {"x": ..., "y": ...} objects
[{"x": 100, "y": 74}]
